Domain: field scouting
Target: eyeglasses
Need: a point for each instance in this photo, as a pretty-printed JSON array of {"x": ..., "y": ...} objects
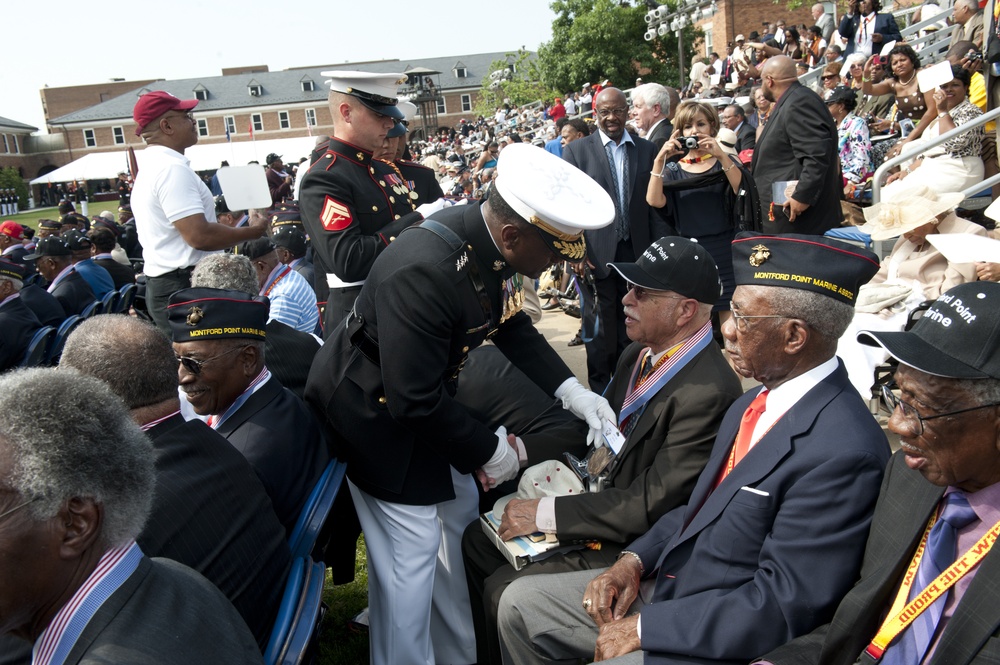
[
  {"x": 642, "y": 292},
  {"x": 605, "y": 113},
  {"x": 743, "y": 326},
  {"x": 17, "y": 507},
  {"x": 910, "y": 413},
  {"x": 194, "y": 365},
  {"x": 828, "y": 77}
]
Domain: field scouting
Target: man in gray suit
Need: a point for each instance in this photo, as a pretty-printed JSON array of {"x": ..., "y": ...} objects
[
  {"x": 620, "y": 163},
  {"x": 947, "y": 473},
  {"x": 650, "y": 112},
  {"x": 76, "y": 484}
]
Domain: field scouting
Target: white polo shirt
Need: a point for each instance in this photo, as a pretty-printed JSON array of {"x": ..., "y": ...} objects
[{"x": 167, "y": 189}]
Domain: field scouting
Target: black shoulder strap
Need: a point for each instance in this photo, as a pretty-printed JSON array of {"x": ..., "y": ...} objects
[{"x": 456, "y": 243}]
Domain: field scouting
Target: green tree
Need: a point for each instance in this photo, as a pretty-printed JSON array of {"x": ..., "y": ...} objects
[
  {"x": 519, "y": 85},
  {"x": 593, "y": 40},
  {"x": 11, "y": 179}
]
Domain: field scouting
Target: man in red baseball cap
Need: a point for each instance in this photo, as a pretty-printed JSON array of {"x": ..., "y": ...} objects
[
  {"x": 173, "y": 208},
  {"x": 11, "y": 244}
]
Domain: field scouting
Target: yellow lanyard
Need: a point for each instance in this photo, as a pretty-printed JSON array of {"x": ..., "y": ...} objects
[{"x": 900, "y": 617}]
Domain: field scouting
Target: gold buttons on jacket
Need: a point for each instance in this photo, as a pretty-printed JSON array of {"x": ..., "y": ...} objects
[{"x": 382, "y": 400}]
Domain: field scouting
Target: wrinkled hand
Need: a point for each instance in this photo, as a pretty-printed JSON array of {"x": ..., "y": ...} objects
[
  {"x": 898, "y": 175},
  {"x": 518, "y": 518},
  {"x": 794, "y": 208},
  {"x": 611, "y": 593},
  {"x": 617, "y": 639},
  {"x": 988, "y": 272}
]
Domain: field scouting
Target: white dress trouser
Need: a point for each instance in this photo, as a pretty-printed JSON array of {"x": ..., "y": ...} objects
[{"x": 418, "y": 599}]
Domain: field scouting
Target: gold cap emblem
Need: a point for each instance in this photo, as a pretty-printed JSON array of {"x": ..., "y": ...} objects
[
  {"x": 759, "y": 256},
  {"x": 195, "y": 315}
]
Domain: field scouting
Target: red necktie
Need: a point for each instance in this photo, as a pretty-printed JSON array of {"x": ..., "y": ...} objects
[{"x": 744, "y": 437}]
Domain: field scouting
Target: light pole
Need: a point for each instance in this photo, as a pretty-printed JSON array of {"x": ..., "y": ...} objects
[{"x": 661, "y": 21}]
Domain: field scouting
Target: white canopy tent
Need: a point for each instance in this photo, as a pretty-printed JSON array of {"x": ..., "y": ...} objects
[{"x": 208, "y": 157}]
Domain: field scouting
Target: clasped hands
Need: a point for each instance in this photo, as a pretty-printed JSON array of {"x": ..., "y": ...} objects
[{"x": 607, "y": 601}]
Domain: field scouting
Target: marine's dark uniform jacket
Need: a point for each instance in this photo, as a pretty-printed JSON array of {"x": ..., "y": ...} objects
[
  {"x": 386, "y": 378},
  {"x": 351, "y": 213},
  {"x": 423, "y": 183}
]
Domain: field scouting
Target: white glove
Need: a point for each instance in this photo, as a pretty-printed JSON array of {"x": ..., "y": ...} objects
[
  {"x": 428, "y": 209},
  {"x": 504, "y": 464},
  {"x": 588, "y": 406}
]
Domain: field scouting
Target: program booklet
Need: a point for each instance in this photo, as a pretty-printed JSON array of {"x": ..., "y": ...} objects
[{"x": 521, "y": 550}]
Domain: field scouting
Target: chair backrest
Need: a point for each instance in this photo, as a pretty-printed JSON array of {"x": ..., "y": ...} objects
[
  {"x": 109, "y": 301},
  {"x": 308, "y": 615},
  {"x": 316, "y": 509},
  {"x": 126, "y": 298},
  {"x": 65, "y": 328},
  {"x": 38, "y": 347},
  {"x": 91, "y": 309},
  {"x": 286, "y": 611}
]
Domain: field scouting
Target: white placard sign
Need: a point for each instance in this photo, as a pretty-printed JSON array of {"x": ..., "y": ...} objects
[
  {"x": 966, "y": 247},
  {"x": 934, "y": 76},
  {"x": 244, "y": 187}
]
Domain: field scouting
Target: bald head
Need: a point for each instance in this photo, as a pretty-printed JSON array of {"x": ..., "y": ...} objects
[
  {"x": 777, "y": 76},
  {"x": 611, "y": 111}
]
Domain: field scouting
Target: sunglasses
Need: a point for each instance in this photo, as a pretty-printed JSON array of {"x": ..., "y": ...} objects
[
  {"x": 194, "y": 366},
  {"x": 642, "y": 292}
]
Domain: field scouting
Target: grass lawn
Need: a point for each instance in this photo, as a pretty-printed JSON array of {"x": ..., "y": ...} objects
[
  {"x": 31, "y": 217},
  {"x": 338, "y": 644}
]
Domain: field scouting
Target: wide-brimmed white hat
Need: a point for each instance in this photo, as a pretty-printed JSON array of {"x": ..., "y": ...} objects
[{"x": 906, "y": 208}]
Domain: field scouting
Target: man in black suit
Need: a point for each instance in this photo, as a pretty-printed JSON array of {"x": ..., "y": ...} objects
[
  {"x": 620, "y": 164},
  {"x": 210, "y": 512},
  {"x": 798, "y": 147},
  {"x": 103, "y": 243},
  {"x": 385, "y": 382},
  {"x": 43, "y": 304},
  {"x": 54, "y": 261},
  {"x": 946, "y": 473},
  {"x": 865, "y": 30},
  {"x": 69, "y": 534},
  {"x": 17, "y": 322},
  {"x": 219, "y": 337},
  {"x": 650, "y": 112},
  {"x": 735, "y": 118}
]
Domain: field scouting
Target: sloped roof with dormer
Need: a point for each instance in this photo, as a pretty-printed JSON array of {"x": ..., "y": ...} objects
[{"x": 284, "y": 87}]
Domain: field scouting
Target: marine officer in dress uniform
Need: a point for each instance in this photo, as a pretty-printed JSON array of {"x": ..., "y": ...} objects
[
  {"x": 386, "y": 378},
  {"x": 352, "y": 206}
]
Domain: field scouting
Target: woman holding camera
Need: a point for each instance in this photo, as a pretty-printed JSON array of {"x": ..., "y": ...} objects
[{"x": 697, "y": 179}]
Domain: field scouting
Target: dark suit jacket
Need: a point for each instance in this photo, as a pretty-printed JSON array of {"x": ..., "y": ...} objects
[
  {"x": 121, "y": 274},
  {"x": 746, "y": 138},
  {"x": 770, "y": 552},
  {"x": 48, "y": 310},
  {"x": 589, "y": 155},
  {"x": 425, "y": 185},
  {"x": 663, "y": 455},
  {"x": 165, "y": 613},
  {"x": 391, "y": 412},
  {"x": 799, "y": 142},
  {"x": 210, "y": 512},
  {"x": 280, "y": 190},
  {"x": 905, "y": 503},
  {"x": 289, "y": 355},
  {"x": 17, "y": 325},
  {"x": 659, "y": 135},
  {"x": 280, "y": 438},
  {"x": 73, "y": 293},
  {"x": 885, "y": 25}
]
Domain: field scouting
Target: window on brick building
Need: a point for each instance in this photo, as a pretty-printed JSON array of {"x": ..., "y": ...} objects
[
  {"x": 311, "y": 117},
  {"x": 6, "y": 147},
  {"x": 283, "y": 121},
  {"x": 307, "y": 85},
  {"x": 466, "y": 103},
  {"x": 201, "y": 93},
  {"x": 442, "y": 109},
  {"x": 17, "y": 147},
  {"x": 89, "y": 139},
  {"x": 119, "y": 135},
  {"x": 230, "y": 124},
  {"x": 202, "y": 127},
  {"x": 256, "y": 89},
  {"x": 258, "y": 122}
]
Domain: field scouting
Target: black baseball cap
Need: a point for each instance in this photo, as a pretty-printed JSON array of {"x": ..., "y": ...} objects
[
  {"x": 675, "y": 264},
  {"x": 50, "y": 246},
  {"x": 958, "y": 337}
]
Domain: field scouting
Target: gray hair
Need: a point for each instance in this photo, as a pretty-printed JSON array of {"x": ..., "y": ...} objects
[
  {"x": 983, "y": 391},
  {"x": 823, "y": 314},
  {"x": 16, "y": 283},
  {"x": 232, "y": 272},
  {"x": 652, "y": 94},
  {"x": 971, "y": 5},
  {"x": 133, "y": 357},
  {"x": 81, "y": 444},
  {"x": 855, "y": 57}
]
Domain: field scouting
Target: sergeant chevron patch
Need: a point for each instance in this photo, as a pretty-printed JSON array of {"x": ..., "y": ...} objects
[{"x": 335, "y": 216}]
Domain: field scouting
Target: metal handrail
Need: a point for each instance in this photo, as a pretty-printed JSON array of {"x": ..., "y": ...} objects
[
  {"x": 917, "y": 27},
  {"x": 910, "y": 154}
]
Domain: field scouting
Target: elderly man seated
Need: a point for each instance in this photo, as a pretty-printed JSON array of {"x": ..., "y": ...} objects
[
  {"x": 219, "y": 342},
  {"x": 761, "y": 553},
  {"x": 293, "y": 301},
  {"x": 76, "y": 484},
  {"x": 928, "y": 585},
  {"x": 670, "y": 391},
  {"x": 17, "y": 322}
]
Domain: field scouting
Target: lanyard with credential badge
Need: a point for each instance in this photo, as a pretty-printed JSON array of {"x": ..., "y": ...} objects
[{"x": 902, "y": 614}]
